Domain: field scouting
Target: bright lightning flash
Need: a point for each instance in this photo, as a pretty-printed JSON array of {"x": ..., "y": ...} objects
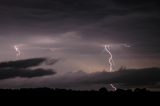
[
  {"x": 107, "y": 48},
  {"x": 18, "y": 52}
]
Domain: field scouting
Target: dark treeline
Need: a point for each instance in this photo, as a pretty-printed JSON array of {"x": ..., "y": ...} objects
[
  {"x": 69, "y": 92},
  {"x": 62, "y": 96}
]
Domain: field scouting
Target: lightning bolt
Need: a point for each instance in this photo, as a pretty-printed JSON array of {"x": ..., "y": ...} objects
[
  {"x": 111, "y": 62},
  {"x": 18, "y": 52},
  {"x": 107, "y": 48}
]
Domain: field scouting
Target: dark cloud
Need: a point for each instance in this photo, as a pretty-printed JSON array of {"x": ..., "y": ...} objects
[
  {"x": 130, "y": 21},
  {"x": 24, "y": 73},
  {"x": 127, "y": 77},
  {"x": 22, "y": 68},
  {"x": 58, "y": 12},
  {"x": 23, "y": 63},
  {"x": 135, "y": 77}
]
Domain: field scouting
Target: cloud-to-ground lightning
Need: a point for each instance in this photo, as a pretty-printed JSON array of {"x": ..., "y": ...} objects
[
  {"x": 18, "y": 52},
  {"x": 113, "y": 87},
  {"x": 107, "y": 48}
]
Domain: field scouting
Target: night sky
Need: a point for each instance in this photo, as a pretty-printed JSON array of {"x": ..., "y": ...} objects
[{"x": 61, "y": 43}]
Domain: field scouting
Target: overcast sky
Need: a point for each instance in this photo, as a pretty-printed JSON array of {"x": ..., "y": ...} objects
[{"x": 75, "y": 32}]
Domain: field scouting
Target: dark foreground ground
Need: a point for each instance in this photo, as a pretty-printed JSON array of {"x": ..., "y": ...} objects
[
  {"x": 59, "y": 95},
  {"x": 69, "y": 92}
]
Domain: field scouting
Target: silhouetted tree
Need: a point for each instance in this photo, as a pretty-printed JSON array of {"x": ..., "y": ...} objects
[{"x": 103, "y": 89}]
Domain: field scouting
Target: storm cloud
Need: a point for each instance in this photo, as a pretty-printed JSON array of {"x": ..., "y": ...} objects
[
  {"x": 22, "y": 63},
  {"x": 76, "y": 32},
  {"x": 129, "y": 77},
  {"x": 23, "y": 69},
  {"x": 125, "y": 78}
]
